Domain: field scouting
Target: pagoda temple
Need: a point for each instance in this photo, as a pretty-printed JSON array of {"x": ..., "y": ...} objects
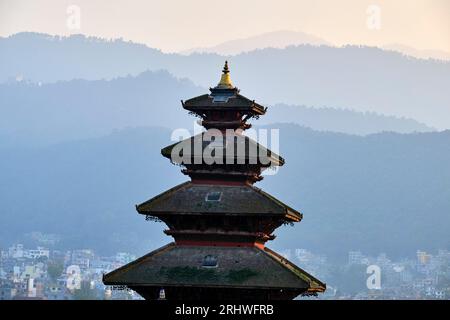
[{"x": 218, "y": 219}]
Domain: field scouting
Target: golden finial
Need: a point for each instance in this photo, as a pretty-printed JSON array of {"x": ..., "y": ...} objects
[
  {"x": 225, "y": 67},
  {"x": 225, "y": 80}
]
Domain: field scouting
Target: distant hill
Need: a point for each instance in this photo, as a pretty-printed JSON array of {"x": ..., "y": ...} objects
[
  {"x": 385, "y": 192},
  {"x": 49, "y": 113},
  {"x": 57, "y": 58},
  {"x": 353, "y": 77},
  {"x": 421, "y": 54},
  {"x": 276, "y": 39},
  {"x": 338, "y": 120},
  {"x": 85, "y": 191},
  {"x": 285, "y": 38},
  {"x": 380, "y": 193}
]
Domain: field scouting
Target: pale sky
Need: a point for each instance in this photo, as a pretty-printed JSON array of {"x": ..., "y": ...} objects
[{"x": 174, "y": 25}]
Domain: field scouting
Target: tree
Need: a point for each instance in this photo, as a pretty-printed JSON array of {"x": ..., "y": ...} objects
[
  {"x": 85, "y": 292},
  {"x": 55, "y": 269}
]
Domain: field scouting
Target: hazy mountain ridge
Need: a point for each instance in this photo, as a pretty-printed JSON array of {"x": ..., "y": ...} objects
[
  {"x": 359, "y": 78},
  {"x": 276, "y": 39},
  {"x": 380, "y": 193},
  {"x": 341, "y": 120},
  {"x": 285, "y": 38},
  {"x": 76, "y": 109},
  {"x": 57, "y": 58},
  {"x": 417, "y": 53},
  {"x": 69, "y": 110}
]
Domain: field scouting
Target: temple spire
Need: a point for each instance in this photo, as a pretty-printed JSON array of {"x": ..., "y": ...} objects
[{"x": 225, "y": 80}]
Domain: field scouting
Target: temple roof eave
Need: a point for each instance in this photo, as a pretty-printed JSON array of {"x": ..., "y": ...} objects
[
  {"x": 269, "y": 269},
  {"x": 270, "y": 159},
  {"x": 238, "y": 102},
  {"x": 245, "y": 200}
]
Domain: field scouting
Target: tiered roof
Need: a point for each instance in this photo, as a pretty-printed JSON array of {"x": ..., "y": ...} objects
[
  {"x": 224, "y": 107},
  {"x": 192, "y": 198},
  {"x": 247, "y": 267},
  {"x": 220, "y": 100},
  {"x": 235, "y": 148}
]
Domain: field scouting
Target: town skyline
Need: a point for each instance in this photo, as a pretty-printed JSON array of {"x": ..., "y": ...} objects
[{"x": 43, "y": 270}]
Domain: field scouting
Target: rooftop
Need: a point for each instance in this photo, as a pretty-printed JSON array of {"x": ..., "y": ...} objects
[
  {"x": 224, "y": 96},
  {"x": 235, "y": 149},
  {"x": 245, "y": 267},
  {"x": 191, "y": 198}
]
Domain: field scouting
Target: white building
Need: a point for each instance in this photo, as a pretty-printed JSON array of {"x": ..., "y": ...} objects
[
  {"x": 356, "y": 257},
  {"x": 16, "y": 251},
  {"x": 37, "y": 253}
]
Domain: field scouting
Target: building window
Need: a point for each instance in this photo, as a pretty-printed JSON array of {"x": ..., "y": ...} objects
[
  {"x": 209, "y": 261},
  {"x": 213, "y": 196}
]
